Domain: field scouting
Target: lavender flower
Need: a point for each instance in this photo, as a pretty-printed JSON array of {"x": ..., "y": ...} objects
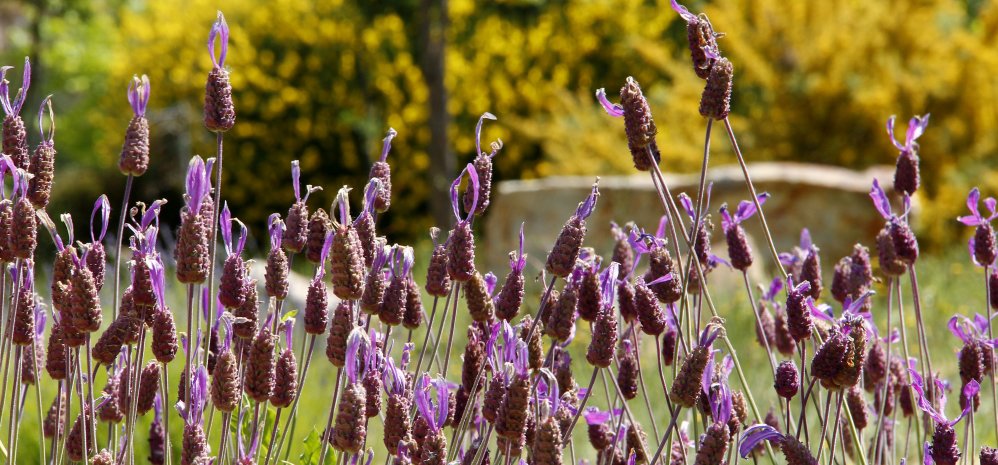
[
  {"x": 738, "y": 248},
  {"x": 510, "y": 297},
  {"x": 483, "y": 167},
  {"x": 219, "y": 112},
  {"x": 382, "y": 172},
  {"x": 296, "y": 234},
  {"x": 906, "y": 176},
  {"x": 191, "y": 252},
  {"x": 561, "y": 259},
  {"x": 134, "y": 158},
  {"x": 903, "y": 239},
  {"x": 461, "y": 243},
  {"x": 702, "y": 40},
  {"x": 15, "y": 143},
  {"x": 943, "y": 449},
  {"x": 232, "y": 283},
  {"x": 982, "y": 246},
  {"x": 42, "y": 164}
]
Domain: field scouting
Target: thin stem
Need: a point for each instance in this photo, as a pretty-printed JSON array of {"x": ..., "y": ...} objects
[
  {"x": 877, "y": 457},
  {"x": 90, "y": 390},
  {"x": 450, "y": 335},
  {"x": 189, "y": 359},
  {"x": 641, "y": 383},
  {"x": 627, "y": 409},
  {"x": 994, "y": 385},
  {"x": 135, "y": 382},
  {"x": 824, "y": 424},
  {"x": 8, "y": 336},
  {"x": 923, "y": 338},
  {"x": 835, "y": 430},
  {"x": 273, "y": 437},
  {"x": 674, "y": 414},
  {"x": 15, "y": 393},
  {"x": 543, "y": 306},
  {"x": 301, "y": 386},
  {"x": 83, "y": 410},
  {"x": 582, "y": 406},
  {"x": 329, "y": 420},
  {"x": 165, "y": 398},
  {"x": 426, "y": 338},
  {"x": 755, "y": 197},
  {"x": 38, "y": 399},
  {"x": 117, "y": 249},
  {"x": 226, "y": 422},
  {"x": 758, "y": 321}
]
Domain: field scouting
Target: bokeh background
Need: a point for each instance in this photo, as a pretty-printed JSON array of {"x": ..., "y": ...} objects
[{"x": 322, "y": 82}]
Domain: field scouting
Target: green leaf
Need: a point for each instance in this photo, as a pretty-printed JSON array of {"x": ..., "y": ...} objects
[{"x": 311, "y": 448}]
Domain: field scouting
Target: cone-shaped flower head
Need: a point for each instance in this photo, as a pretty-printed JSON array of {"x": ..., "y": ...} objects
[
  {"x": 219, "y": 112},
  {"x": 738, "y": 249},
  {"x": 983, "y": 250},
  {"x": 134, "y": 158},
  {"x": 906, "y": 176}
]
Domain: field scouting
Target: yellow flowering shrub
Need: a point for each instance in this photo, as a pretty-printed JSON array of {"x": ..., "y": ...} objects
[{"x": 323, "y": 81}]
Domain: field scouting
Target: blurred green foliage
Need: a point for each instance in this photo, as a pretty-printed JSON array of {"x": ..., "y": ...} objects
[{"x": 323, "y": 81}]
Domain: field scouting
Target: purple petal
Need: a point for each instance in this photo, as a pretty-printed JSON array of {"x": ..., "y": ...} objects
[
  {"x": 296, "y": 178},
  {"x": 916, "y": 127},
  {"x": 957, "y": 330},
  {"x": 443, "y": 391},
  {"x": 490, "y": 282},
  {"x": 683, "y": 11},
  {"x": 225, "y": 227},
  {"x": 632, "y": 459},
  {"x": 275, "y": 227},
  {"x": 707, "y": 377},
  {"x": 289, "y": 330},
  {"x": 612, "y": 109},
  {"x": 661, "y": 279},
  {"x": 478, "y": 133},
  {"x": 220, "y": 30},
  {"x": 854, "y": 306},
  {"x": 917, "y": 385},
  {"x": 969, "y": 391},
  {"x": 992, "y": 204},
  {"x": 386, "y": 143},
  {"x": 356, "y": 343},
  {"x": 473, "y": 184},
  {"x": 519, "y": 261},
  {"x": 589, "y": 204},
  {"x": 775, "y": 286},
  {"x": 805, "y": 239},
  {"x": 880, "y": 200},
  {"x": 663, "y": 221},
  {"x": 157, "y": 276},
  {"x": 927, "y": 454},
  {"x": 370, "y": 194},
  {"x": 343, "y": 201},
  {"x": 687, "y": 204},
  {"x": 595, "y": 416},
  {"x": 151, "y": 214},
  {"x": 972, "y": 200},
  {"x": 104, "y": 207},
  {"x": 890, "y": 132},
  {"x": 821, "y": 312},
  {"x": 969, "y": 220},
  {"x": 754, "y": 435},
  {"x": 726, "y": 221},
  {"x": 608, "y": 284}
]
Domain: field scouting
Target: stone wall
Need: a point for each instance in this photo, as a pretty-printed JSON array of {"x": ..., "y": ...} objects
[{"x": 832, "y": 202}]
